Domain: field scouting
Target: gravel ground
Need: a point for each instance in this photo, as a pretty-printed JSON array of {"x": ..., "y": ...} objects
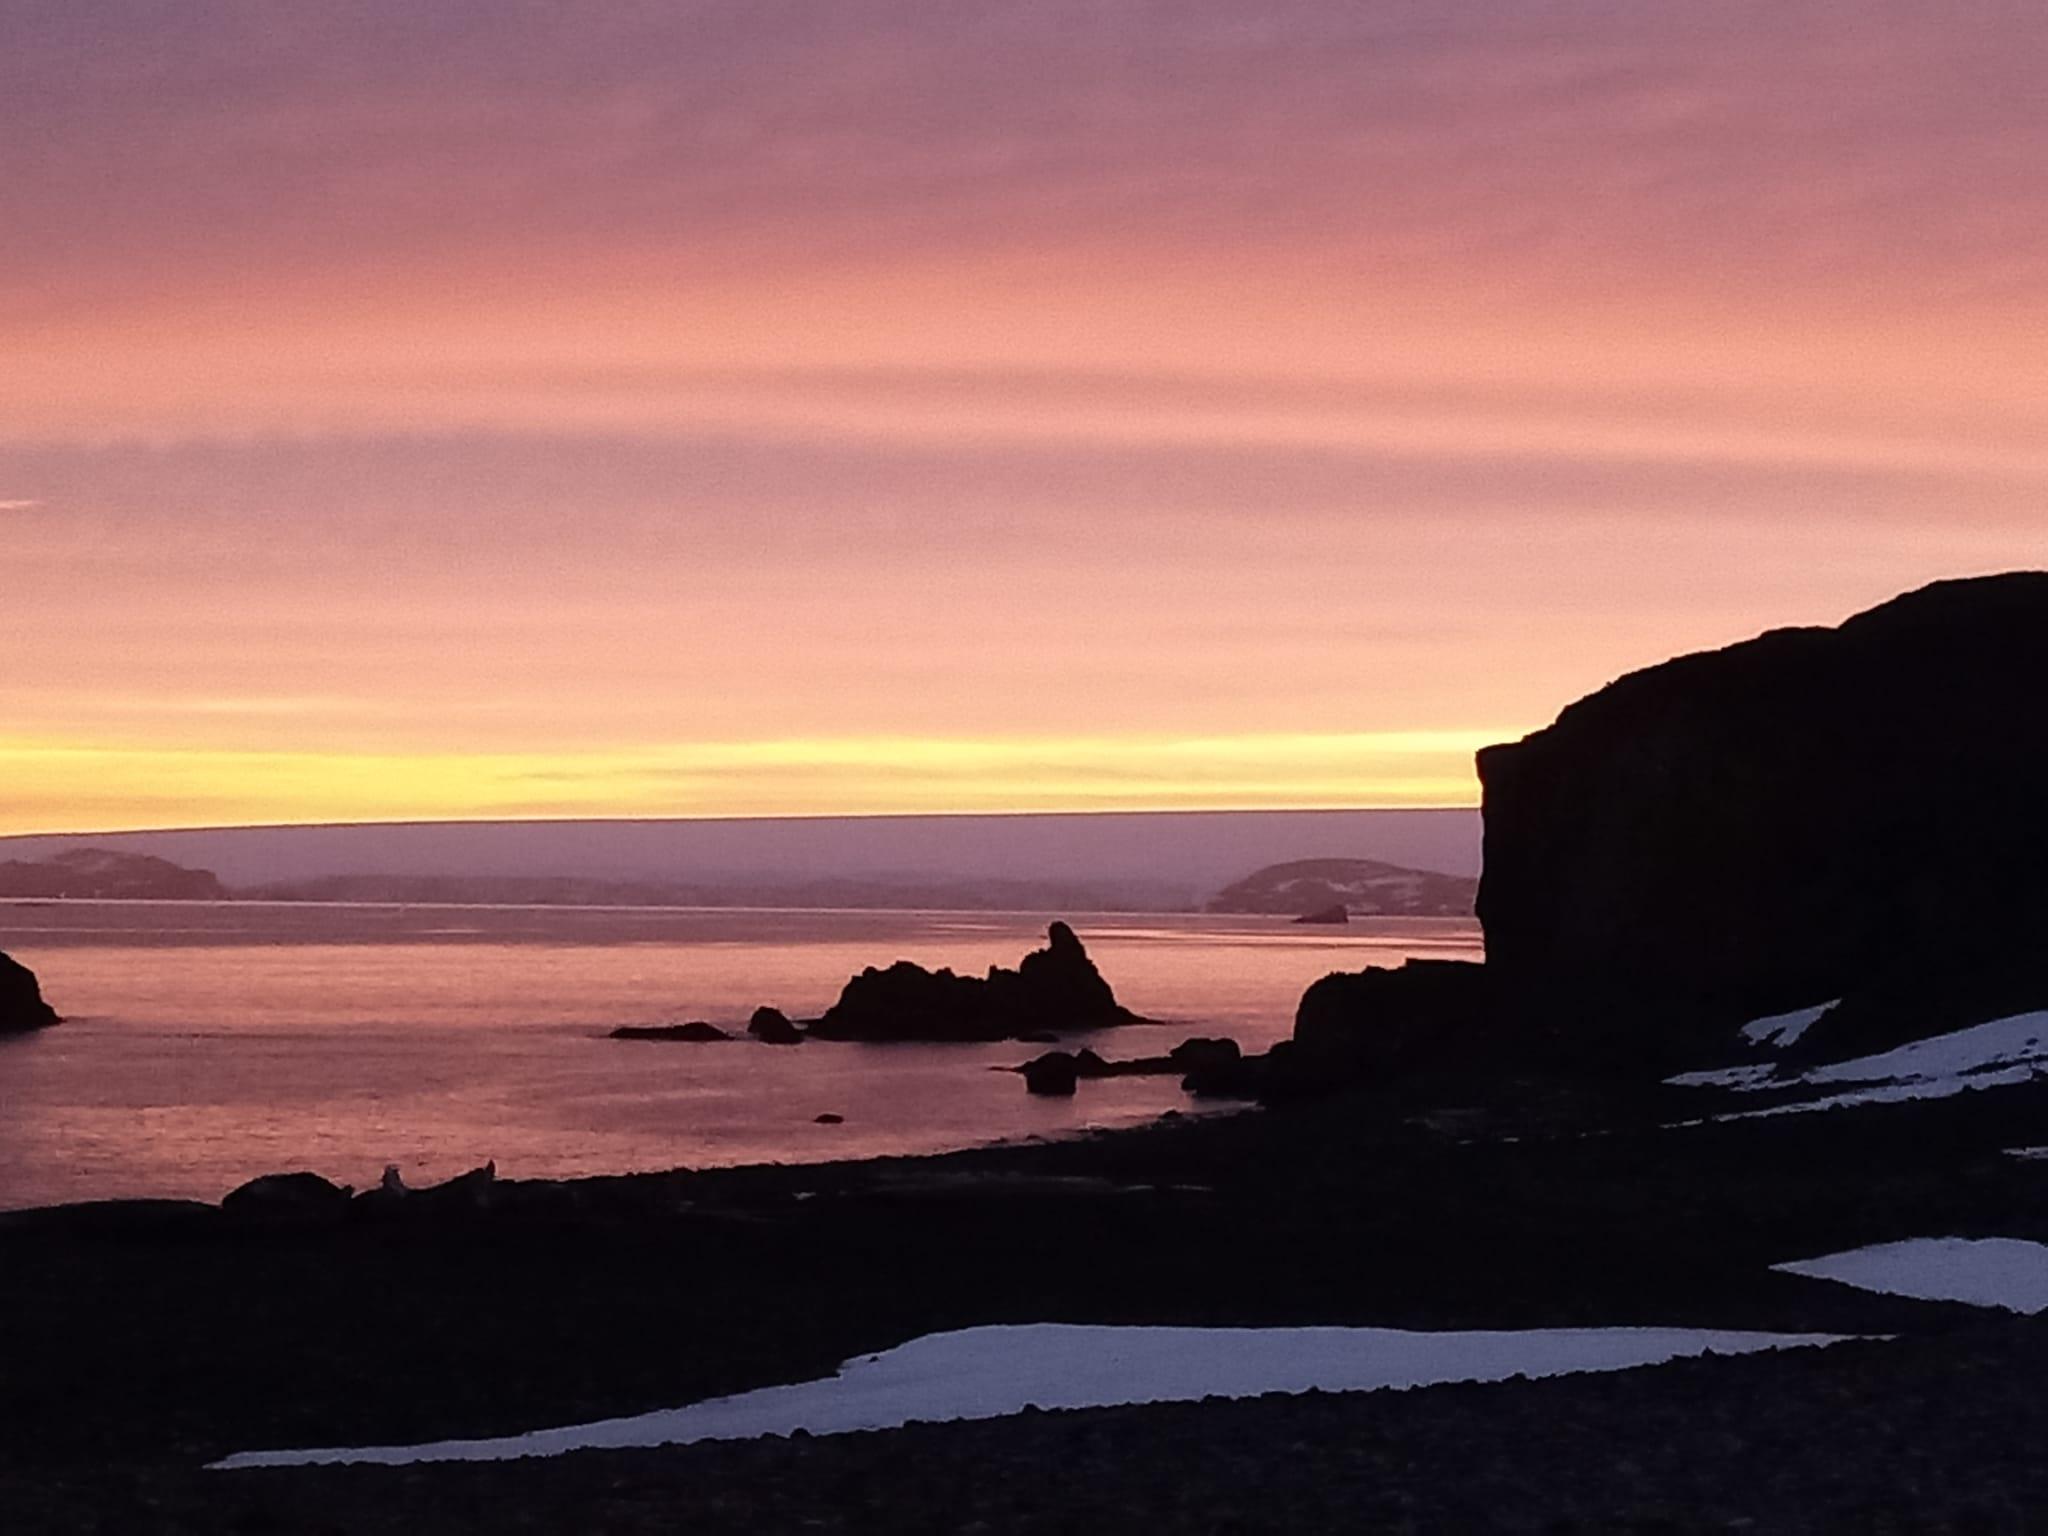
[
  {"x": 137, "y": 1343},
  {"x": 1925, "y": 1434}
]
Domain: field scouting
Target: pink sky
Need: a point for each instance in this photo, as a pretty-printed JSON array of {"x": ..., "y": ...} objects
[{"x": 665, "y": 409}]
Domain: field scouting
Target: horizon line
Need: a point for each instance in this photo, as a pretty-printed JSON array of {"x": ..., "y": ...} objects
[{"x": 804, "y": 816}]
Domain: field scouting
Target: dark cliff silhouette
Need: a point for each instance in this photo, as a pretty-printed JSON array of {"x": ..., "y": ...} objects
[
  {"x": 1854, "y": 813},
  {"x": 1787, "y": 820}
]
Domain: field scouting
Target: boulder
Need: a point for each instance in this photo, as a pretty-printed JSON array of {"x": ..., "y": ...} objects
[
  {"x": 1204, "y": 1054},
  {"x": 696, "y": 1031},
  {"x": 771, "y": 1026},
  {"x": 1382, "y": 1025},
  {"x": 466, "y": 1192},
  {"x": 1052, "y": 1075},
  {"x": 1335, "y": 912},
  {"x": 1800, "y": 817},
  {"x": 1056, "y": 988},
  {"x": 288, "y": 1200},
  {"x": 828, "y": 1118},
  {"x": 21, "y": 999}
]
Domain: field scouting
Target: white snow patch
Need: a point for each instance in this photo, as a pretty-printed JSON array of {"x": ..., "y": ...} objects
[
  {"x": 1994, "y": 1055},
  {"x": 1984, "y": 1272},
  {"x": 1782, "y": 1029},
  {"x": 986, "y": 1373}
]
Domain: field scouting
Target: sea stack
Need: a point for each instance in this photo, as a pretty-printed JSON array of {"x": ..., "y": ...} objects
[{"x": 21, "y": 1000}]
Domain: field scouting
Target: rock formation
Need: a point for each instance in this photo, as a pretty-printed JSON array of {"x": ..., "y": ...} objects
[
  {"x": 1058, "y": 1071},
  {"x": 21, "y": 999},
  {"x": 1056, "y": 988},
  {"x": 771, "y": 1026},
  {"x": 287, "y": 1200},
  {"x": 694, "y": 1032},
  {"x": 1335, "y": 912},
  {"x": 1799, "y": 817}
]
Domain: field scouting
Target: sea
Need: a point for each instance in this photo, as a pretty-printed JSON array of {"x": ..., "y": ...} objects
[{"x": 206, "y": 1043}]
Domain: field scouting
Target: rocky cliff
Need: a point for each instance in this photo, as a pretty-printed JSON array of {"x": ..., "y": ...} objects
[{"x": 1790, "y": 819}]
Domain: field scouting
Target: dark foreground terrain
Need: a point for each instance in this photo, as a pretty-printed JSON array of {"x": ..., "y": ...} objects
[{"x": 140, "y": 1342}]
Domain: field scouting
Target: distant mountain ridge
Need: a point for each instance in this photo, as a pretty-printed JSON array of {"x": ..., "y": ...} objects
[{"x": 1362, "y": 887}]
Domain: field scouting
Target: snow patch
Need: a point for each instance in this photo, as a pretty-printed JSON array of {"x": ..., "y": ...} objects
[
  {"x": 1984, "y": 1272},
  {"x": 1994, "y": 1055},
  {"x": 991, "y": 1372},
  {"x": 1782, "y": 1029}
]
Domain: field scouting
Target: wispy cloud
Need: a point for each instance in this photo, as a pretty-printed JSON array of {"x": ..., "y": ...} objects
[{"x": 18, "y": 505}]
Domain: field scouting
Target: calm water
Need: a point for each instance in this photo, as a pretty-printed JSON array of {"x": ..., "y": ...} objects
[{"x": 205, "y": 1044}]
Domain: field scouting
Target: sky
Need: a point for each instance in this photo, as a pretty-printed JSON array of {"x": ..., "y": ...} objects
[{"x": 514, "y": 409}]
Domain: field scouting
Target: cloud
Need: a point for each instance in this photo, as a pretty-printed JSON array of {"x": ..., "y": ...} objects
[{"x": 18, "y": 505}]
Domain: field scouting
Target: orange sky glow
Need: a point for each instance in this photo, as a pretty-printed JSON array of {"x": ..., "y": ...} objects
[{"x": 458, "y": 411}]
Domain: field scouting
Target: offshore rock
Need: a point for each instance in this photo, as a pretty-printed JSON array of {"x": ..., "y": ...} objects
[
  {"x": 1052, "y": 1075},
  {"x": 1804, "y": 816},
  {"x": 1055, "y": 989},
  {"x": 1335, "y": 912},
  {"x": 21, "y": 999},
  {"x": 696, "y": 1031},
  {"x": 771, "y": 1026}
]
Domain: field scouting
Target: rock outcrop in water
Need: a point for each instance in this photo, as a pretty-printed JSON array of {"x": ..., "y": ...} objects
[
  {"x": 771, "y": 1026},
  {"x": 1056, "y": 1072},
  {"x": 1054, "y": 989},
  {"x": 1792, "y": 819},
  {"x": 21, "y": 999},
  {"x": 696, "y": 1032}
]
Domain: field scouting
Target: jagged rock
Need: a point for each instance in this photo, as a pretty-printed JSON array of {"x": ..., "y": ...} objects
[
  {"x": 771, "y": 1026},
  {"x": 21, "y": 999},
  {"x": 287, "y": 1200},
  {"x": 695, "y": 1031},
  {"x": 1056, "y": 988},
  {"x": 1800, "y": 817},
  {"x": 1335, "y": 912}
]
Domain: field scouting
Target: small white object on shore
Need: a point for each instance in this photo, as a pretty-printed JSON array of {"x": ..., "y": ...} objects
[
  {"x": 1982, "y": 1272},
  {"x": 992, "y": 1372}
]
